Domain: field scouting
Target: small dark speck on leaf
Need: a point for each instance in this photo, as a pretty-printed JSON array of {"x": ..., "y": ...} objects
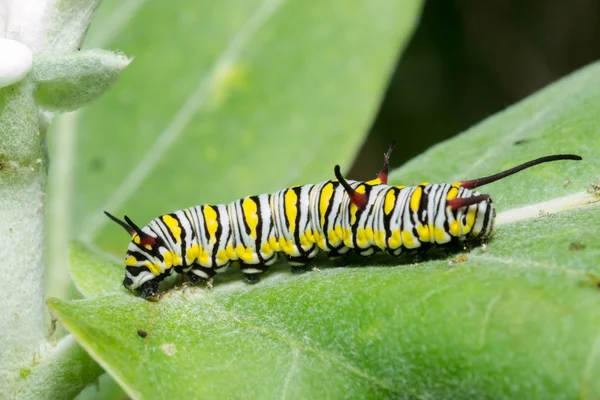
[
  {"x": 142, "y": 333},
  {"x": 574, "y": 246},
  {"x": 594, "y": 279},
  {"x": 520, "y": 141},
  {"x": 594, "y": 188},
  {"x": 96, "y": 164}
]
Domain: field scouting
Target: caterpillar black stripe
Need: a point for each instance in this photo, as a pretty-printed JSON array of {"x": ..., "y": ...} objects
[{"x": 299, "y": 222}]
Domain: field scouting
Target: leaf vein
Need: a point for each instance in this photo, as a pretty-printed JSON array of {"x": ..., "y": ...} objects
[
  {"x": 529, "y": 264},
  {"x": 486, "y": 319},
  {"x": 292, "y": 370},
  {"x": 288, "y": 338}
]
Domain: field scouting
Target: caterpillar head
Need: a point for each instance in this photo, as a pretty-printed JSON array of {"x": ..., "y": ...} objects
[{"x": 144, "y": 260}]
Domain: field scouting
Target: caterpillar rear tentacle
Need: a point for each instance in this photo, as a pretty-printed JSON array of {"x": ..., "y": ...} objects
[{"x": 334, "y": 216}]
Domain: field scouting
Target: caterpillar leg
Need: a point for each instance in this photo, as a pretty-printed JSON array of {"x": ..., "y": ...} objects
[
  {"x": 199, "y": 274},
  {"x": 421, "y": 254},
  {"x": 252, "y": 272},
  {"x": 299, "y": 264},
  {"x": 149, "y": 289},
  {"x": 340, "y": 258},
  {"x": 366, "y": 251}
]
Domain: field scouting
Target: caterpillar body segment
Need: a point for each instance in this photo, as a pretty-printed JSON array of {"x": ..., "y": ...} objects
[{"x": 300, "y": 222}]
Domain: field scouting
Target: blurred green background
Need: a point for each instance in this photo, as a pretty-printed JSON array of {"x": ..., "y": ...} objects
[{"x": 469, "y": 59}]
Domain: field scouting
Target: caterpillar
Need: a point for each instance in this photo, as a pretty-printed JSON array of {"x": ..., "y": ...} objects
[{"x": 332, "y": 216}]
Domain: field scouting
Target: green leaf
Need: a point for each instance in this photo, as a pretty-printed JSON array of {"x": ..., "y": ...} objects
[
  {"x": 69, "y": 81},
  {"x": 94, "y": 274},
  {"x": 518, "y": 320},
  {"x": 239, "y": 100},
  {"x": 104, "y": 389}
]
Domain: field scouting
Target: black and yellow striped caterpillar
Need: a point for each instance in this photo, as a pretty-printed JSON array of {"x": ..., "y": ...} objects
[{"x": 333, "y": 216}]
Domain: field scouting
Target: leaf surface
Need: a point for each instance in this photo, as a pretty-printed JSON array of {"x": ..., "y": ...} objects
[{"x": 519, "y": 320}]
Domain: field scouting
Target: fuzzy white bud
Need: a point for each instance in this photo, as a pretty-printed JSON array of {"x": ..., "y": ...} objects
[{"x": 16, "y": 61}]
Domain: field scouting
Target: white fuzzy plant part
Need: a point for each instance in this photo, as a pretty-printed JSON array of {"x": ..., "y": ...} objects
[
  {"x": 17, "y": 60},
  {"x": 41, "y": 74}
]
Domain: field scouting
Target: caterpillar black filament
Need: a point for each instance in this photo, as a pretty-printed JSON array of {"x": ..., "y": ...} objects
[{"x": 299, "y": 222}]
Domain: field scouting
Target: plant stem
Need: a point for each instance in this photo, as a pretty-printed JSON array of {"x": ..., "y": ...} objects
[{"x": 23, "y": 165}]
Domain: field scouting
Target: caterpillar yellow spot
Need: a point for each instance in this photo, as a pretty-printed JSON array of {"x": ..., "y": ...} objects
[
  {"x": 291, "y": 209},
  {"x": 440, "y": 235},
  {"x": 361, "y": 239},
  {"x": 203, "y": 257},
  {"x": 395, "y": 240},
  {"x": 454, "y": 228},
  {"x": 348, "y": 238},
  {"x": 408, "y": 239},
  {"x": 423, "y": 233},
  {"x": 173, "y": 226},
  {"x": 317, "y": 236},
  {"x": 369, "y": 234},
  {"x": 415, "y": 199},
  {"x": 320, "y": 239},
  {"x": 210, "y": 218},
  {"x": 379, "y": 238},
  {"x": 244, "y": 253},
  {"x": 250, "y": 209},
  {"x": 153, "y": 267},
  {"x": 168, "y": 259},
  {"x": 326, "y": 194},
  {"x": 470, "y": 220},
  {"x": 333, "y": 237},
  {"x": 130, "y": 261},
  {"x": 390, "y": 202},
  {"x": 274, "y": 244},
  {"x": 290, "y": 247},
  {"x": 136, "y": 239},
  {"x": 452, "y": 193},
  {"x": 304, "y": 240},
  {"x": 222, "y": 257},
  {"x": 231, "y": 252},
  {"x": 266, "y": 249},
  {"x": 192, "y": 254},
  {"x": 286, "y": 246},
  {"x": 339, "y": 232}
]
